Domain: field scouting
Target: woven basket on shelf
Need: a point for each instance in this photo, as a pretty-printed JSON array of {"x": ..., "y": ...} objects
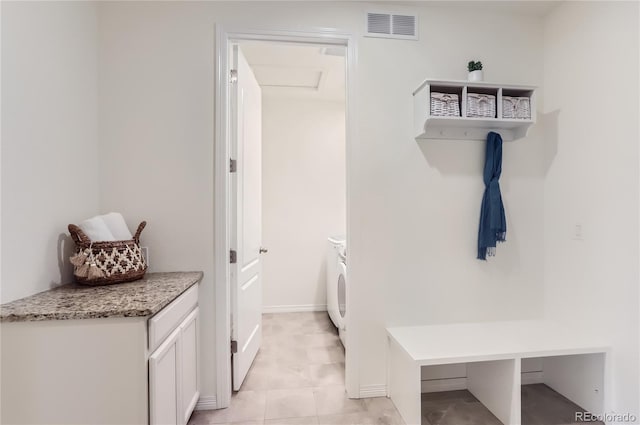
[
  {"x": 111, "y": 261},
  {"x": 445, "y": 105},
  {"x": 481, "y": 105},
  {"x": 516, "y": 107}
]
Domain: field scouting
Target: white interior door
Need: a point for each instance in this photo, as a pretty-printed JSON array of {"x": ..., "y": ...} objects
[{"x": 246, "y": 216}]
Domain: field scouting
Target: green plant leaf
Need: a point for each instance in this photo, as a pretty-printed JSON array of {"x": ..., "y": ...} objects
[{"x": 474, "y": 66}]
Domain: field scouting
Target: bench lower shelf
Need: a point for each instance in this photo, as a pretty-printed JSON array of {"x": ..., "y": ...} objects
[
  {"x": 541, "y": 405},
  {"x": 493, "y": 352}
]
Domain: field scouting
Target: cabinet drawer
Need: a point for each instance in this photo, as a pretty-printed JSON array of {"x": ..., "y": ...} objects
[{"x": 169, "y": 318}]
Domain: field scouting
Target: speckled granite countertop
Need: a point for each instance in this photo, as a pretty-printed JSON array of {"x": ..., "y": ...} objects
[{"x": 141, "y": 298}]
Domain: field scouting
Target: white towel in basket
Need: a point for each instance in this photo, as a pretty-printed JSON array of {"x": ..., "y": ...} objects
[
  {"x": 107, "y": 227},
  {"x": 96, "y": 229},
  {"x": 116, "y": 224}
]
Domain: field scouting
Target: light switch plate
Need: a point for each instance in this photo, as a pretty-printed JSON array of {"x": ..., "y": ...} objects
[{"x": 578, "y": 232}]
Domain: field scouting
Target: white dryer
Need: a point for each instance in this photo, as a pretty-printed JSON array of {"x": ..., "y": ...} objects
[{"x": 337, "y": 283}]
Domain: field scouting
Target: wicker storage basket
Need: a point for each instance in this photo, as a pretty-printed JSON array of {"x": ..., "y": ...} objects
[
  {"x": 481, "y": 105},
  {"x": 117, "y": 261},
  {"x": 445, "y": 105},
  {"x": 516, "y": 107}
]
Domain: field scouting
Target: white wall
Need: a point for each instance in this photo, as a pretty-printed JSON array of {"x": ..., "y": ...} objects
[
  {"x": 49, "y": 139},
  {"x": 591, "y": 113},
  {"x": 418, "y": 202},
  {"x": 303, "y": 197},
  {"x": 414, "y": 206},
  {"x": 156, "y": 140}
]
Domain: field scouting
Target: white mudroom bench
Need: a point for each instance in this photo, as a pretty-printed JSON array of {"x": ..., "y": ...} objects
[{"x": 574, "y": 363}]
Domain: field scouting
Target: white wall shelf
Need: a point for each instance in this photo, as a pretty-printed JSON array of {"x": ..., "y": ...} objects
[{"x": 427, "y": 126}]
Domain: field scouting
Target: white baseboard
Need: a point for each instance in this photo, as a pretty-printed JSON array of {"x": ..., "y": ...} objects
[
  {"x": 438, "y": 385},
  {"x": 206, "y": 403},
  {"x": 369, "y": 391},
  {"x": 531, "y": 378},
  {"x": 293, "y": 308}
]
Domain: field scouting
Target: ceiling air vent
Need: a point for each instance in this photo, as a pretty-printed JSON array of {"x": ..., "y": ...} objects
[{"x": 389, "y": 25}]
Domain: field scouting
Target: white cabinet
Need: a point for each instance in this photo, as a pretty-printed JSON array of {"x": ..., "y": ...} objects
[
  {"x": 138, "y": 365},
  {"x": 173, "y": 366}
]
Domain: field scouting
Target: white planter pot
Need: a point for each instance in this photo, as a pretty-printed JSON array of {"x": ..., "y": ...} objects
[{"x": 476, "y": 75}]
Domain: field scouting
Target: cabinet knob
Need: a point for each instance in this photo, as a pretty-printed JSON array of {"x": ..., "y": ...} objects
[{"x": 263, "y": 250}]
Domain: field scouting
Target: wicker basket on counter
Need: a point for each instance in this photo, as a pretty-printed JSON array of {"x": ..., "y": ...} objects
[
  {"x": 516, "y": 107},
  {"x": 107, "y": 262},
  {"x": 445, "y": 104},
  {"x": 481, "y": 105}
]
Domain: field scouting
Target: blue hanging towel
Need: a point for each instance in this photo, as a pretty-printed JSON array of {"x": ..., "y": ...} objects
[{"x": 493, "y": 225}]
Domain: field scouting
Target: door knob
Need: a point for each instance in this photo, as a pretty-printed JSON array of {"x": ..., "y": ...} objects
[{"x": 263, "y": 250}]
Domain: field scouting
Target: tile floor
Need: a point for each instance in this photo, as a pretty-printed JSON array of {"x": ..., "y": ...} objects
[
  {"x": 543, "y": 406},
  {"x": 540, "y": 406},
  {"x": 455, "y": 408},
  {"x": 297, "y": 378}
]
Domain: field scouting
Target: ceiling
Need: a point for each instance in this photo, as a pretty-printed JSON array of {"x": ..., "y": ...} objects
[
  {"x": 518, "y": 7},
  {"x": 296, "y": 70}
]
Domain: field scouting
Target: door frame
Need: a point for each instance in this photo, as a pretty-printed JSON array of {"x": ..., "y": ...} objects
[{"x": 222, "y": 195}]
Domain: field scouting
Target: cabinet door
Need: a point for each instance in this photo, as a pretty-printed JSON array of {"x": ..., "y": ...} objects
[
  {"x": 164, "y": 382},
  {"x": 189, "y": 339}
]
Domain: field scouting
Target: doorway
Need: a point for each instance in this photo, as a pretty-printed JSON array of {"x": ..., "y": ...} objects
[{"x": 324, "y": 41}]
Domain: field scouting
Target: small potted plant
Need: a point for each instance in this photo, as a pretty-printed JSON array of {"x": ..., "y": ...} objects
[{"x": 475, "y": 71}]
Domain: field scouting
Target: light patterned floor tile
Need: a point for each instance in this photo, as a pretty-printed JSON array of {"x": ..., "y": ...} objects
[
  {"x": 361, "y": 418},
  {"x": 293, "y": 403},
  {"x": 202, "y": 417},
  {"x": 324, "y": 355},
  {"x": 260, "y": 422},
  {"x": 345, "y": 419},
  {"x": 333, "y": 400},
  {"x": 281, "y": 353},
  {"x": 245, "y": 406},
  {"x": 290, "y": 376},
  {"x": 379, "y": 405},
  {"x": 297, "y": 375},
  {"x": 308, "y": 420},
  {"x": 312, "y": 340},
  {"x": 257, "y": 378},
  {"x": 323, "y": 375}
]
